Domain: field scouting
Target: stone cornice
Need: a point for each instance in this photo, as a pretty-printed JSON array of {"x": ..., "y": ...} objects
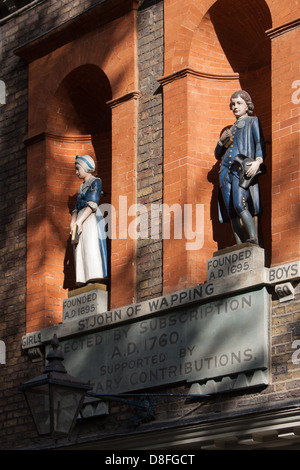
[
  {"x": 187, "y": 71},
  {"x": 266, "y": 428},
  {"x": 60, "y": 138},
  {"x": 20, "y": 11},
  {"x": 206, "y": 292},
  {"x": 132, "y": 95},
  {"x": 283, "y": 29}
]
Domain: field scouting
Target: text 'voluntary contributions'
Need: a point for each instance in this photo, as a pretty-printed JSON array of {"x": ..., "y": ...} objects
[{"x": 193, "y": 343}]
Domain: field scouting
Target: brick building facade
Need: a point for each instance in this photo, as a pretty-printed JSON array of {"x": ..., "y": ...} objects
[{"x": 144, "y": 87}]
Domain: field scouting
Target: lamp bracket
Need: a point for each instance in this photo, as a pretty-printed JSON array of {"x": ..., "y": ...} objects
[{"x": 146, "y": 403}]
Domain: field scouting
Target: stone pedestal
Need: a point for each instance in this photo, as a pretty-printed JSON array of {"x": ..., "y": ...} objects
[
  {"x": 236, "y": 260},
  {"x": 90, "y": 299}
]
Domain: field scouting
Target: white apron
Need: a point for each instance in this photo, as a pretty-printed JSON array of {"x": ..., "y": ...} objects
[{"x": 88, "y": 259}]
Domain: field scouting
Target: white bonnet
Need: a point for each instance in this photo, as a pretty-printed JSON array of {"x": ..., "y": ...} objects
[{"x": 86, "y": 162}]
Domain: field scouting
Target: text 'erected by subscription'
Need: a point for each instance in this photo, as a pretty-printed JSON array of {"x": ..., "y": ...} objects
[{"x": 200, "y": 341}]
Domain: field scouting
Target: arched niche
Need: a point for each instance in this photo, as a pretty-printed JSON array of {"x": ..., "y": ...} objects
[
  {"x": 79, "y": 104},
  {"x": 82, "y": 98},
  {"x": 78, "y": 123},
  {"x": 216, "y": 52},
  {"x": 231, "y": 51}
]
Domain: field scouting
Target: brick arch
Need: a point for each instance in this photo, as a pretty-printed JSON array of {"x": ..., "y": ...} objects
[
  {"x": 59, "y": 127},
  {"x": 98, "y": 50},
  {"x": 232, "y": 51},
  {"x": 56, "y": 67},
  {"x": 231, "y": 38},
  {"x": 79, "y": 105},
  {"x": 78, "y": 122},
  {"x": 203, "y": 68},
  {"x": 182, "y": 27},
  {"x": 179, "y": 30}
]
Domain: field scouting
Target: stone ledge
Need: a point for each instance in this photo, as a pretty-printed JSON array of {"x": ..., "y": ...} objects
[{"x": 197, "y": 294}]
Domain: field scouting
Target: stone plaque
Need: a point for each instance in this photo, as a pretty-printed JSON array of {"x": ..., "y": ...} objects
[
  {"x": 233, "y": 261},
  {"x": 193, "y": 343},
  {"x": 85, "y": 301}
]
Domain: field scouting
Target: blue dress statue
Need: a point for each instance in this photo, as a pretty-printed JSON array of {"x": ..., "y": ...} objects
[{"x": 90, "y": 251}]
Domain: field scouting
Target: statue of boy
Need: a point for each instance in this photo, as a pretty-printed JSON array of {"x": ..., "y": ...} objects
[
  {"x": 242, "y": 151},
  {"x": 87, "y": 222}
]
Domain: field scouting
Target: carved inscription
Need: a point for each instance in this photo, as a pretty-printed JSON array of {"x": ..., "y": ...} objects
[
  {"x": 31, "y": 340},
  {"x": 284, "y": 272},
  {"x": 85, "y": 304},
  {"x": 235, "y": 262},
  {"x": 206, "y": 340},
  {"x": 135, "y": 311},
  {"x": 80, "y": 305}
]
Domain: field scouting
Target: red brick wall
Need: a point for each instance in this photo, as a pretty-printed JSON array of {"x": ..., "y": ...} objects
[
  {"x": 286, "y": 140},
  {"x": 186, "y": 22},
  {"x": 192, "y": 42},
  {"x": 124, "y": 119},
  {"x": 195, "y": 110}
]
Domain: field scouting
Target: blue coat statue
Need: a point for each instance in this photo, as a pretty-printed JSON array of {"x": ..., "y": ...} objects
[{"x": 241, "y": 150}]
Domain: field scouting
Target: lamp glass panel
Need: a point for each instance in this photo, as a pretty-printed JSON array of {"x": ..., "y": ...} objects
[
  {"x": 65, "y": 403},
  {"x": 38, "y": 402}
]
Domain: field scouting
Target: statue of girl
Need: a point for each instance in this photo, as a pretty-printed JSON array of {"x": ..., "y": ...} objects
[{"x": 90, "y": 250}]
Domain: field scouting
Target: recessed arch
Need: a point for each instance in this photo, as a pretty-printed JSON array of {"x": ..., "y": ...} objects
[
  {"x": 82, "y": 99},
  {"x": 79, "y": 104},
  {"x": 231, "y": 42},
  {"x": 220, "y": 47},
  {"x": 55, "y": 70},
  {"x": 240, "y": 28},
  {"x": 78, "y": 122},
  {"x": 182, "y": 28}
]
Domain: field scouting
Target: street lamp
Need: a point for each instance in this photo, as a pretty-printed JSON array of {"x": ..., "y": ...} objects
[{"x": 54, "y": 398}]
